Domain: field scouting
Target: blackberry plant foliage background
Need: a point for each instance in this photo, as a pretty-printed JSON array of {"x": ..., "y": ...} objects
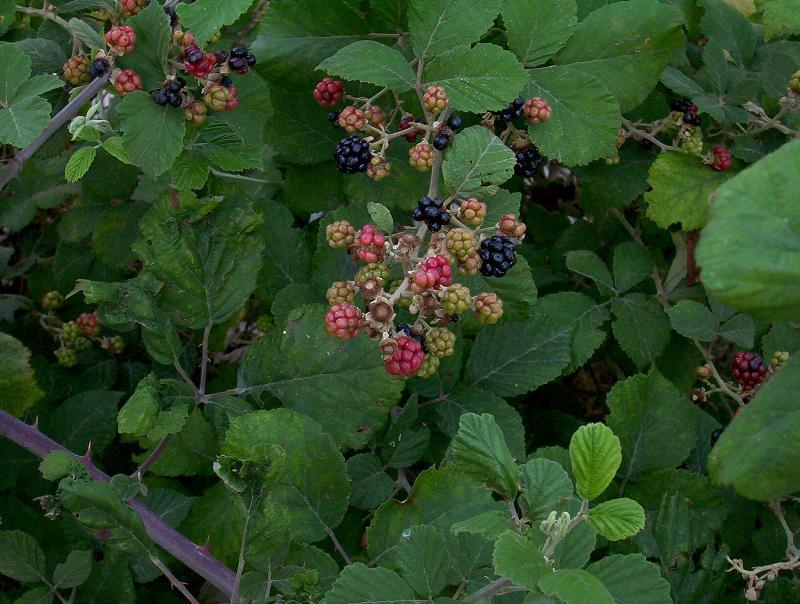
[{"x": 399, "y": 301}]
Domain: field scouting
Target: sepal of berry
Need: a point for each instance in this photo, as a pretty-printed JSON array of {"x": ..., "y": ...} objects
[
  {"x": 537, "y": 110},
  {"x": 510, "y": 226},
  {"x": 195, "y": 113},
  {"x": 456, "y": 299},
  {"x": 370, "y": 244},
  {"x": 421, "y": 156},
  {"x": 434, "y": 273},
  {"x": 440, "y": 342},
  {"x": 488, "y": 308},
  {"x": 52, "y": 300},
  {"x": 340, "y": 292},
  {"x": 435, "y": 99},
  {"x": 407, "y": 357},
  {"x": 472, "y": 212},
  {"x": 778, "y": 359},
  {"x": 352, "y": 155},
  {"x": 378, "y": 168},
  {"x": 340, "y": 234},
  {"x": 89, "y": 324},
  {"x": 498, "y": 255},
  {"x": 721, "y": 159},
  {"x": 66, "y": 357},
  {"x": 328, "y": 92},
  {"x": 351, "y": 119},
  {"x": 344, "y": 321},
  {"x": 127, "y": 81},
  {"x": 121, "y": 39},
  {"x": 461, "y": 243},
  {"x": 748, "y": 370},
  {"x": 429, "y": 367},
  {"x": 129, "y": 8},
  {"x": 76, "y": 70}
]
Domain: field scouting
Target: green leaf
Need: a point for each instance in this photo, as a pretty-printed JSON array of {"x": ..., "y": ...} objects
[
  {"x": 359, "y": 584},
  {"x": 190, "y": 451},
  {"x": 371, "y": 62},
  {"x": 739, "y": 329},
  {"x": 490, "y": 524},
  {"x": 596, "y": 454},
  {"x": 419, "y": 557},
  {"x": 342, "y": 385},
  {"x": 370, "y": 485},
  {"x": 21, "y": 558},
  {"x": 88, "y": 417},
  {"x": 605, "y": 186},
  {"x": 104, "y": 497},
  {"x": 45, "y": 54},
  {"x": 153, "y": 39},
  {"x": 115, "y": 147},
  {"x": 518, "y": 559},
  {"x": 110, "y": 581},
  {"x": 585, "y": 119},
  {"x": 780, "y": 17},
  {"x": 152, "y": 135},
  {"x": 16, "y": 377},
  {"x": 406, "y": 440},
  {"x": 74, "y": 571},
  {"x": 37, "y": 595},
  {"x": 286, "y": 257},
  {"x": 589, "y": 264},
  {"x": 79, "y": 163},
  {"x": 626, "y": 45},
  {"x": 59, "y": 464},
  {"x": 477, "y": 79},
  {"x": 206, "y": 17},
  {"x": 617, "y": 519},
  {"x": 190, "y": 171},
  {"x": 753, "y": 454},
  {"x": 573, "y": 586},
  {"x": 516, "y": 358},
  {"x": 726, "y": 25},
  {"x": 641, "y": 327},
  {"x": 22, "y": 116},
  {"x": 139, "y": 413},
  {"x": 631, "y": 579},
  {"x": 480, "y": 452},
  {"x": 439, "y": 25},
  {"x": 86, "y": 33},
  {"x": 537, "y": 30},
  {"x": 693, "y": 320},
  {"x": 381, "y": 216},
  {"x": 314, "y": 487},
  {"x": 544, "y": 484},
  {"x": 756, "y": 210},
  {"x": 632, "y": 264},
  {"x": 680, "y": 189},
  {"x": 655, "y": 422},
  {"x": 477, "y": 163}
]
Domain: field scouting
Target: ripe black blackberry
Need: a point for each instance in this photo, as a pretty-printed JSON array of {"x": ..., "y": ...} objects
[
  {"x": 682, "y": 105},
  {"x": 352, "y": 155},
  {"x": 528, "y": 161},
  {"x": 169, "y": 95},
  {"x": 498, "y": 254},
  {"x": 455, "y": 122},
  {"x": 333, "y": 118},
  {"x": 512, "y": 112},
  {"x": 98, "y": 68},
  {"x": 442, "y": 139},
  {"x": 431, "y": 212},
  {"x": 240, "y": 60},
  {"x": 406, "y": 329},
  {"x": 691, "y": 118}
]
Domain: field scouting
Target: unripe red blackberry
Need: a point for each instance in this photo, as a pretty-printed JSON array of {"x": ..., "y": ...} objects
[
  {"x": 88, "y": 323},
  {"x": 199, "y": 63},
  {"x": 406, "y": 359},
  {"x": 372, "y": 271},
  {"x": 434, "y": 273},
  {"x": 76, "y": 70},
  {"x": 66, "y": 357},
  {"x": 456, "y": 299},
  {"x": 429, "y": 366},
  {"x": 378, "y": 168},
  {"x": 129, "y": 8},
  {"x": 537, "y": 110},
  {"x": 351, "y": 119},
  {"x": 121, "y": 39},
  {"x": 195, "y": 113},
  {"x": 374, "y": 115},
  {"x": 440, "y": 342},
  {"x": 52, "y": 300},
  {"x": 461, "y": 243},
  {"x": 421, "y": 156},
  {"x": 488, "y": 308},
  {"x": 344, "y": 321},
  {"x": 370, "y": 244},
  {"x": 722, "y": 159},
  {"x": 340, "y": 292},
  {"x": 472, "y": 212},
  {"x": 405, "y": 124},
  {"x": 510, "y": 226},
  {"x": 340, "y": 234},
  {"x": 748, "y": 370},
  {"x": 328, "y": 92},
  {"x": 127, "y": 81},
  {"x": 470, "y": 265},
  {"x": 435, "y": 99}
]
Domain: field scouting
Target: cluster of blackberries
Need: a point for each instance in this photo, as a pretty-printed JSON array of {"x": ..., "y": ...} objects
[
  {"x": 352, "y": 155},
  {"x": 431, "y": 212},
  {"x": 98, "y": 68},
  {"x": 240, "y": 60},
  {"x": 688, "y": 109},
  {"x": 509, "y": 114},
  {"x": 498, "y": 255},
  {"x": 405, "y": 328},
  {"x": 170, "y": 94},
  {"x": 528, "y": 161}
]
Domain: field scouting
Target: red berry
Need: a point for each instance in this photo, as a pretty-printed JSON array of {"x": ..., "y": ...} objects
[
  {"x": 722, "y": 159},
  {"x": 127, "y": 81},
  {"x": 537, "y": 110},
  {"x": 405, "y": 123},
  {"x": 121, "y": 39},
  {"x": 748, "y": 370},
  {"x": 406, "y": 359},
  {"x": 88, "y": 324},
  {"x": 129, "y": 8},
  {"x": 344, "y": 321},
  {"x": 328, "y": 92},
  {"x": 434, "y": 273},
  {"x": 370, "y": 244},
  {"x": 197, "y": 62}
]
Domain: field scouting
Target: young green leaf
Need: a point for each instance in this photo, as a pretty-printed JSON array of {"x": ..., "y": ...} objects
[
  {"x": 518, "y": 559},
  {"x": 596, "y": 454},
  {"x": 381, "y": 216},
  {"x": 79, "y": 163},
  {"x": 480, "y": 452},
  {"x": 372, "y": 62},
  {"x": 617, "y": 519},
  {"x": 544, "y": 484},
  {"x": 589, "y": 264},
  {"x": 139, "y": 413}
]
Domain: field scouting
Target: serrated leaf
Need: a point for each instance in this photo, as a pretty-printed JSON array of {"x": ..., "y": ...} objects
[
  {"x": 88, "y": 417},
  {"x": 116, "y": 147},
  {"x": 358, "y": 584},
  {"x": 438, "y": 25},
  {"x": 45, "y": 54},
  {"x": 477, "y": 79},
  {"x": 21, "y": 122},
  {"x": 739, "y": 329},
  {"x": 419, "y": 556},
  {"x": 17, "y": 379},
  {"x": 543, "y": 484},
  {"x": 480, "y": 452},
  {"x": 617, "y": 519},
  {"x": 139, "y": 413},
  {"x": 286, "y": 258},
  {"x": 516, "y": 289},
  {"x": 153, "y": 40},
  {"x": 605, "y": 186},
  {"x": 491, "y": 524},
  {"x": 518, "y": 559},
  {"x": 595, "y": 454},
  {"x": 626, "y": 45},
  {"x": 780, "y": 17},
  {"x": 589, "y": 264},
  {"x": 21, "y": 558},
  {"x": 693, "y": 320},
  {"x": 58, "y": 464},
  {"x": 370, "y": 485},
  {"x": 190, "y": 171},
  {"x": 632, "y": 264},
  {"x": 152, "y": 135},
  {"x": 74, "y": 571},
  {"x": 537, "y": 30},
  {"x": 573, "y": 586},
  {"x": 104, "y": 497},
  {"x": 478, "y": 163},
  {"x": 725, "y": 24},
  {"x": 206, "y": 17},
  {"x": 381, "y": 216},
  {"x": 79, "y": 163},
  {"x": 641, "y": 327},
  {"x": 585, "y": 119},
  {"x": 756, "y": 210},
  {"x": 631, "y": 579},
  {"x": 372, "y": 62},
  {"x": 86, "y": 33}
]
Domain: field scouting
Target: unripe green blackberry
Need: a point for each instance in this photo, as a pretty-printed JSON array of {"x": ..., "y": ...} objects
[
  {"x": 82, "y": 343},
  {"x": 702, "y": 372},
  {"x": 115, "y": 344},
  {"x": 76, "y": 70},
  {"x": 472, "y": 212},
  {"x": 52, "y": 300},
  {"x": 440, "y": 342},
  {"x": 693, "y": 143},
  {"x": 421, "y": 156},
  {"x": 435, "y": 99},
  {"x": 778, "y": 359},
  {"x": 488, "y": 308},
  {"x": 340, "y": 292},
  {"x": 340, "y": 234},
  {"x": 429, "y": 366},
  {"x": 456, "y": 299},
  {"x": 70, "y": 332},
  {"x": 794, "y": 83},
  {"x": 378, "y": 168},
  {"x": 372, "y": 271},
  {"x": 461, "y": 243},
  {"x": 264, "y": 323},
  {"x": 470, "y": 265},
  {"x": 66, "y": 357}
]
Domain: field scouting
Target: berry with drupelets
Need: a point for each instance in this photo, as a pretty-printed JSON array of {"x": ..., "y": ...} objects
[
  {"x": 515, "y": 110},
  {"x": 328, "y": 92},
  {"x": 431, "y": 211},
  {"x": 748, "y": 370},
  {"x": 528, "y": 161},
  {"x": 352, "y": 155},
  {"x": 406, "y": 359},
  {"x": 498, "y": 255}
]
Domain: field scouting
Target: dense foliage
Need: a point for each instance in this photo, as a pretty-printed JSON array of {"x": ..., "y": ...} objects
[{"x": 399, "y": 301}]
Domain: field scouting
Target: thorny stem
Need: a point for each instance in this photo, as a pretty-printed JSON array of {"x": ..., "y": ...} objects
[
  {"x": 338, "y": 545},
  {"x": 720, "y": 382},
  {"x": 173, "y": 580}
]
